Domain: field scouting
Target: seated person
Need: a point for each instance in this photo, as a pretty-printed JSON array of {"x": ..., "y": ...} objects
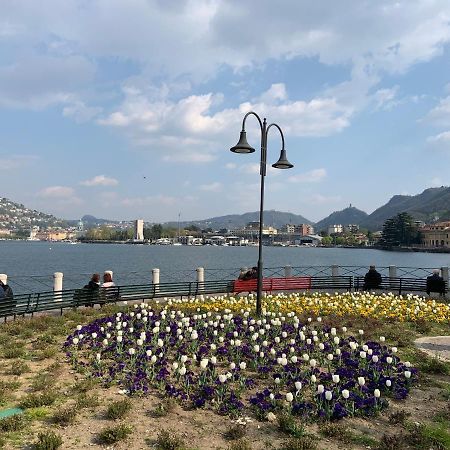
[
  {"x": 108, "y": 287},
  {"x": 251, "y": 274},
  {"x": 89, "y": 293},
  {"x": 372, "y": 279},
  {"x": 435, "y": 283}
]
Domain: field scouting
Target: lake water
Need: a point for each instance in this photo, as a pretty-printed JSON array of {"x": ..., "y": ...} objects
[{"x": 30, "y": 265}]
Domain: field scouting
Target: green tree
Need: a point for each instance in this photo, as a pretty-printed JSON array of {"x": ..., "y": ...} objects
[{"x": 400, "y": 230}]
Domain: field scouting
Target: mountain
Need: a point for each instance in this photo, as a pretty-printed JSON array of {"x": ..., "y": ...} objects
[
  {"x": 89, "y": 220},
  {"x": 350, "y": 215},
  {"x": 15, "y": 216},
  {"x": 271, "y": 218},
  {"x": 431, "y": 205}
]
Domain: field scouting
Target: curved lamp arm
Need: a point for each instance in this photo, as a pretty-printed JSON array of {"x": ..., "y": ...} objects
[
  {"x": 281, "y": 133},
  {"x": 253, "y": 114}
]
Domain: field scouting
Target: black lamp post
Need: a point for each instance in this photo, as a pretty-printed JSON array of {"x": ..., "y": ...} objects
[{"x": 243, "y": 147}]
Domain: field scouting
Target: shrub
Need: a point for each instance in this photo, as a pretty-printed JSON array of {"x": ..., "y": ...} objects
[
  {"x": 433, "y": 366},
  {"x": 65, "y": 416},
  {"x": 336, "y": 431},
  {"x": 48, "y": 440},
  {"x": 42, "y": 381},
  {"x": 111, "y": 435},
  {"x": 118, "y": 409},
  {"x": 36, "y": 400},
  {"x": 84, "y": 385},
  {"x": 169, "y": 440},
  {"x": 399, "y": 417},
  {"x": 391, "y": 442},
  {"x": 12, "y": 423}
]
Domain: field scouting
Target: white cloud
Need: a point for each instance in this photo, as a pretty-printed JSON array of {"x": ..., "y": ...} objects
[
  {"x": 321, "y": 199},
  {"x": 441, "y": 138},
  {"x": 230, "y": 166},
  {"x": 12, "y": 162},
  {"x": 212, "y": 187},
  {"x": 165, "y": 200},
  {"x": 313, "y": 176},
  {"x": 60, "y": 194},
  {"x": 80, "y": 112},
  {"x": 437, "y": 182},
  {"x": 100, "y": 180},
  {"x": 385, "y": 98},
  {"x": 440, "y": 115}
]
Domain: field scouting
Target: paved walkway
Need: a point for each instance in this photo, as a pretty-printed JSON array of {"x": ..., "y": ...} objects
[{"x": 435, "y": 346}]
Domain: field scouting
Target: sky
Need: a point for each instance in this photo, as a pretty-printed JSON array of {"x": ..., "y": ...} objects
[{"x": 128, "y": 109}]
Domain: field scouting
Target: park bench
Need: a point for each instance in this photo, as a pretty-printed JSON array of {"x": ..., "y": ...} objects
[
  {"x": 400, "y": 285},
  {"x": 303, "y": 283}
]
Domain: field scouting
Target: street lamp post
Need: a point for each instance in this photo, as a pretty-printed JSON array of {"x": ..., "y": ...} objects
[{"x": 243, "y": 147}]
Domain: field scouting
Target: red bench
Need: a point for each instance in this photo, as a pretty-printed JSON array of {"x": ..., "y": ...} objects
[{"x": 273, "y": 284}]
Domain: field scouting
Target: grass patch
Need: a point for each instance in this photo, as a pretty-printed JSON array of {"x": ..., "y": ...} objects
[
  {"x": 242, "y": 444},
  {"x": 85, "y": 400},
  {"x": 288, "y": 424},
  {"x": 433, "y": 435},
  {"x": 42, "y": 381},
  {"x": 164, "y": 408},
  {"x": 14, "y": 352},
  {"x": 235, "y": 432},
  {"x": 65, "y": 416},
  {"x": 302, "y": 443},
  {"x": 13, "y": 423},
  {"x": 48, "y": 440},
  {"x": 169, "y": 440},
  {"x": 111, "y": 435},
  {"x": 36, "y": 400},
  {"x": 19, "y": 368},
  {"x": 83, "y": 386},
  {"x": 118, "y": 409},
  {"x": 433, "y": 366},
  {"x": 336, "y": 431},
  {"x": 46, "y": 353},
  {"x": 39, "y": 413},
  {"x": 391, "y": 442}
]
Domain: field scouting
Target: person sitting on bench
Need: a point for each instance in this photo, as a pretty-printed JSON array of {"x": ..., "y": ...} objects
[
  {"x": 372, "y": 279},
  {"x": 251, "y": 274},
  {"x": 435, "y": 283}
]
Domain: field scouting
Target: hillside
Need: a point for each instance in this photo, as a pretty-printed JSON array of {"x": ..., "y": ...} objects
[
  {"x": 271, "y": 218},
  {"x": 432, "y": 204},
  {"x": 350, "y": 215},
  {"x": 15, "y": 216}
]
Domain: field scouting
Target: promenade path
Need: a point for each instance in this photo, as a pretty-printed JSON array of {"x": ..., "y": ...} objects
[{"x": 436, "y": 346}]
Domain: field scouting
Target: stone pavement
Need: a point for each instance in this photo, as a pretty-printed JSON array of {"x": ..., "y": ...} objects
[{"x": 438, "y": 346}]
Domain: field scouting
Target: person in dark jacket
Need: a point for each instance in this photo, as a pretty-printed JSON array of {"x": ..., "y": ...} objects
[
  {"x": 372, "y": 279},
  {"x": 435, "y": 283},
  {"x": 89, "y": 294}
]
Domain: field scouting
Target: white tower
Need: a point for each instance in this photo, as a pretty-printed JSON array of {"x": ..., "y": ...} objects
[{"x": 139, "y": 230}]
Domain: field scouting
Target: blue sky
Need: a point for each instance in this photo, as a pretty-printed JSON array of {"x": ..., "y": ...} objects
[{"x": 128, "y": 109}]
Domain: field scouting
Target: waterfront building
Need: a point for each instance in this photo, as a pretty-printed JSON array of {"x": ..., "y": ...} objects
[
  {"x": 138, "y": 230},
  {"x": 351, "y": 228},
  {"x": 436, "y": 235},
  {"x": 335, "y": 229}
]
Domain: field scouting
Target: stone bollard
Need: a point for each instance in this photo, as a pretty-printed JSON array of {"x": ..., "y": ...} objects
[
  {"x": 288, "y": 271},
  {"x": 58, "y": 285},
  {"x": 334, "y": 271},
  {"x": 392, "y": 275},
  {"x": 200, "y": 278},
  {"x": 4, "y": 278},
  {"x": 155, "y": 279}
]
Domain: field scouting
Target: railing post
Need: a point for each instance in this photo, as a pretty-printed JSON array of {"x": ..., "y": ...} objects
[
  {"x": 58, "y": 285},
  {"x": 4, "y": 278},
  {"x": 445, "y": 276},
  {"x": 392, "y": 275},
  {"x": 200, "y": 279},
  {"x": 288, "y": 271},
  {"x": 155, "y": 279}
]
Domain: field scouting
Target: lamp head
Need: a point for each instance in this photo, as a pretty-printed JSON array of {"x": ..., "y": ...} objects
[
  {"x": 282, "y": 162},
  {"x": 242, "y": 146}
]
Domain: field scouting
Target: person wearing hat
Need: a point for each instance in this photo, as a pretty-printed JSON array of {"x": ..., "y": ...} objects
[{"x": 435, "y": 283}]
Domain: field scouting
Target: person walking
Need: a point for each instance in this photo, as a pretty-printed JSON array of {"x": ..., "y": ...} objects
[{"x": 372, "y": 279}]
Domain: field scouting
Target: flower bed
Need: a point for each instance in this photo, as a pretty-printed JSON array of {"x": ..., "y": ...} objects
[
  {"x": 231, "y": 362},
  {"x": 405, "y": 308}
]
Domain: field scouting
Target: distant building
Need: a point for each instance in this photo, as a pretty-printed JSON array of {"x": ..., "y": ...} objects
[
  {"x": 335, "y": 229},
  {"x": 436, "y": 235},
  {"x": 351, "y": 228},
  {"x": 138, "y": 230},
  {"x": 312, "y": 240},
  {"x": 302, "y": 229}
]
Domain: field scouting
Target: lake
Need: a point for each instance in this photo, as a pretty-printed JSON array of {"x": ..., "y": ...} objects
[{"x": 30, "y": 265}]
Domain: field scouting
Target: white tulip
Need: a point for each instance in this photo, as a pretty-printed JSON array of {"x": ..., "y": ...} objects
[
  {"x": 320, "y": 389},
  {"x": 289, "y": 397},
  {"x": 345, "y": 394},
  {"x": 376, "y": 393},
  {"x": 361, "y": 381},
  {"x": 388, "y": 383},
  {"x": 328, "y": 395},
  {"x": 336, "y": 378},
  {"x": 407, "y": 374},
  {"x": 298, "y": 385}
]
